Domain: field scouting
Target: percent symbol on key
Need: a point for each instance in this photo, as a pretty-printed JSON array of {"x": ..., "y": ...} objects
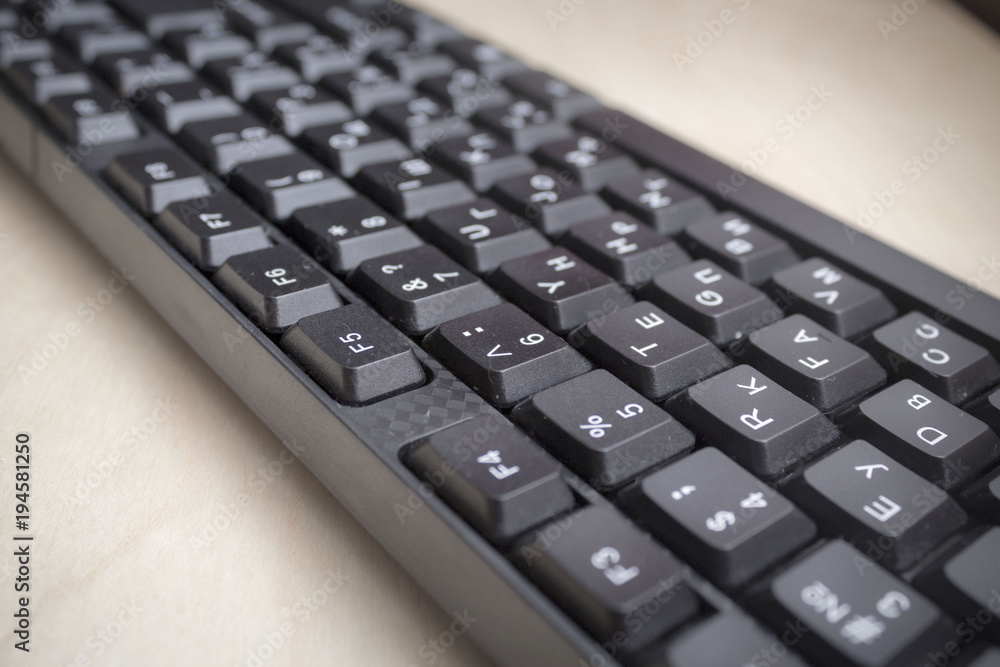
[{"x": 594, "y": 426}]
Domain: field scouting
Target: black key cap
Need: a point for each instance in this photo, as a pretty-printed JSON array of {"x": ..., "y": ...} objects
[
  {"x": 559, "y": 289},
  {"x": 745, "y": 644},
  {"x": 659, "y": 201},
  {"x": 53, "y": 16},
  {"x": 210, "y": 230},
  {"x": 467, "y": 92},
  {"x": 254, "y": 72},
  {"x": 504, "y": 355},
  {"x": 552, "y": 204},
  {"x": 838, "y": 301},
  {"x": 268, "y": 24},
  {"x": 711, "y": 301},
  {"x": 968, "y": 585},
  {"x": 983, "y": 497},
  {"x": 361, "y": 33},
  {"x": 502, "y": 485},
  {"x": 280, "y": 186},
  {"x": 212, "y": 41},
  {"x": 720, "y": 518},
  {"x": 482, "y": 160},
  {"x": 412, "y": 188},
  {"x": 345, "y": 233},
  {"x": 413, "y": 63},
  {"x": 153, "y": 179},
  {"x": 854, "y": 612},
  {"x": 485, "y": 59},
  {"x": 422, "y": 122},
  {"x": 607, "y": 574},
  {"x": 522, "y": 124},
  {"x": 926, "y": 433},
  {"x": 651, "y": 351},
  {"x": 354, "y": 354},
  {"x": 988, "y": 409},
  {"x": 624, "y": 248},
  {"x": 481, "y": 235},
  {"x": 135, "y": 72},
  {"x": 347, "y": 147},
  {"x": 812, "y": 362},
  {"x": 276, "y": 287},
  {"x": 420, "y": 288},
  {"x": 603, "y": 430},
  {"x": 96, "y": 118},
  {"x": 763, "y": 426},
  {"x": 292, "y": 110},
  {"x": 223, "y": 143},
  {"x": 39, "y": 80},
  {"x": 157, "y": 19},
  {"x": 89, "y": 41},
  {"x": 318, "y": 56},
  {"x": 14, "y": 48},
  {"x": 426, "y": 29},
  {"x": 918, "y": 348},
  {"x": 557, "y": 97},
  {"x": 175, "y": 105},
  {"x": 883, "y": 509},
  {"x": 9, "y": 19},
  {"x": 739, "y": 246},
  {"x": 591, "y": 162},
  {"x": 367, "y": 88}
]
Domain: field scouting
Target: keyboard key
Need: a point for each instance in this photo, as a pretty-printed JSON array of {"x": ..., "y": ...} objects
[
  {"x": 318, "y": 56},
  {"x": 761, "y": 425},
  {"x": 603, "y": 430},
  {"x": 212, "y": 41},
  {"x": 502, "y": 484},
  {"x": 854, "y": 612},
  {"x": 97, "y": 118},
  {"x": 983, "y": 497},
  {"x": 482, "y": 160},
  {"x": 412, "y": 188},
  {"x": 157, "y": 19},
  {"x": 249, "y": 74},
  {"x": 175, "y": 105},
  {"x": 711, "y": 301},
  {"x": 280, "y": 186},
  {"x": 367, "y": 88},
  {"x": 426, "y": 29},
  {"x": 739, "y": 246},
  {"x": 926, "y": 434},
  {"x": 968, "y": 584},
  {"x": 891, "y": 514},
  {"x": 267, "y": 24},
  {"x": 53, "y": 16},
  {"x": 504, "y": 355},
  {"x": 40, "y": 80},
  {"x": 210, "y": 230},
  {"x": 523, "y": 125},
  {"x": 421, "y": 122},
  {"x": 607, "y": 574},
  {"x": 746, "y": 644},
  {"x": 360, "y": 33},
  {"x": 649, "y": 350},
  {"x": 557, "y": 97},
  {"x": 89, "y": 41},
  {"x": 481, "y": 235},
  {"x": 292, "y": 110},
  {"x": 420, "y": 288},
  {"x": 624, "y": 248},
  {"x": 720, "y": 518},
  {"x": 591, "y": 162},
  {"x": 223, "y": 143},
  {"x": 414, "y": 62},
  {"x": 133, "y": 72},
  {"x": 349, "y": 146},
  {"x": 660, "y": 202},
  {"x": 354, "y": 354},
  {"x": 559, "y": 289},
  {"x": 466, "y": 92},
  {"x": 987, "y": 408},
  {"x": 485, "y": 59},
  {"x": 918, "y": 348},
  {"x": 831, "y": 298},
  {"x": 153, "y": 179},
  {"x": 276, "y": 287},
  {"x": 344, "y": 233},
  {"x": 552, "y": 204},
  {"x": 812, "y": 362},
  {"x": 14, "y": 48}
]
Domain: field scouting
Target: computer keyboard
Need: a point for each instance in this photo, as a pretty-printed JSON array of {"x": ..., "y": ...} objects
[{"x": 572, "y": 375}]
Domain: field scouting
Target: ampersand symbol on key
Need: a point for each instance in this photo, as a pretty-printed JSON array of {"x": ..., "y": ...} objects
[{"x": 415, "y": 284}]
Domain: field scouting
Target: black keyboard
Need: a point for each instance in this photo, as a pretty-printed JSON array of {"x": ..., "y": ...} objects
[{"x": 620, "y": 414}]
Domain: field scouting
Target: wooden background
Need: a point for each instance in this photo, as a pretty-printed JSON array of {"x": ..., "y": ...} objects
[{"x": 144, "y": 554}]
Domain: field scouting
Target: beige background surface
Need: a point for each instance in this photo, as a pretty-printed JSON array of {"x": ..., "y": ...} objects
[{"x": 143, "y": 555}]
